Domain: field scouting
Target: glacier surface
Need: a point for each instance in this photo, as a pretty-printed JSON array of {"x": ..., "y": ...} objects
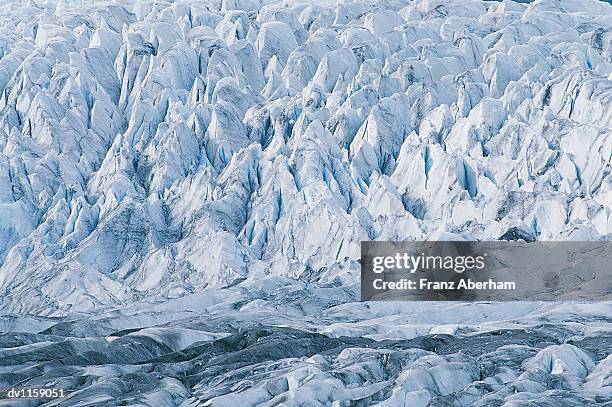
[{"x": 184, "y": 186}]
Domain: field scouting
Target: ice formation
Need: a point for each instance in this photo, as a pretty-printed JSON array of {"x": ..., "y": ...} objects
[{"x": 184, "y": 186}]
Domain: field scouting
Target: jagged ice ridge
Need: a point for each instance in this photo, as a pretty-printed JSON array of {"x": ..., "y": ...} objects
[{"x": 184, "y": 186}]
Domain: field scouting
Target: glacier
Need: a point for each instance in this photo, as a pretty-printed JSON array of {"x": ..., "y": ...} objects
[{"x": 184, "y": 186}]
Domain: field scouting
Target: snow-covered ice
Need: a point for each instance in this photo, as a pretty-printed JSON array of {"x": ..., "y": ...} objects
[{"x": 184, "y": 186}]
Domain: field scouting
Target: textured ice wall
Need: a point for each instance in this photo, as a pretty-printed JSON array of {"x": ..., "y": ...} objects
[
  {"x": 186, "y": 184},
  {"x": 154, "y": 149}
]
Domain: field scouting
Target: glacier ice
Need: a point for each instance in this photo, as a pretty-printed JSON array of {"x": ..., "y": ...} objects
[{"x": 184, "y": 186}]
